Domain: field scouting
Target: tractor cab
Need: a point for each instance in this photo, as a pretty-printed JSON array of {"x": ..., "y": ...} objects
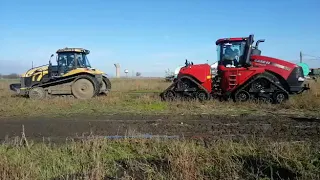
[
  {"x": 236, "y": 52},
  {"x": 69, "y": 59},
  {"x": 234, "y": 59}
]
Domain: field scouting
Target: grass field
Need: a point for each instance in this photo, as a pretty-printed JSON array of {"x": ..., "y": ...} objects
[
  {"x": 185, "y": 159},
  {"x": 141, "y": 96},
  {"x": 154, "y": 159}
]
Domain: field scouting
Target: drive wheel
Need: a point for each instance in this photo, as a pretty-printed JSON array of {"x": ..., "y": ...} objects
[
  {"x": 83, "y": 89},
  {"x": 280, "y": 97},
  {"x": 242, "y": 96},
  {"x": 37, "y": 93}
]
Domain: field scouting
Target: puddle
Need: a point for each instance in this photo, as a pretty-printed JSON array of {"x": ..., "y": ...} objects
[{"x": 143, "y": 136}]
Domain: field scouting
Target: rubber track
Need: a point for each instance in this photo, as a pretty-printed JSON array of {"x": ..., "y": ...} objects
[
  {"x": 108, "y": 83},
  {"x": 70, "y": 79},
  {"x": 187, "y": 77},
  {"x": 53, "y": 82},
  {"x": 260, "y": 76},
  {"x": 199, "y": 85}
]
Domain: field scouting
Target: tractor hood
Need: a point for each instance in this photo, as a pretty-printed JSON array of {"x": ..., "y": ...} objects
[
  {"x": 98, "y": 71},
  {"x": 44, "y": 68},
  {"x": 34, "y": 70},
  {"x": 84, "y": 70}
]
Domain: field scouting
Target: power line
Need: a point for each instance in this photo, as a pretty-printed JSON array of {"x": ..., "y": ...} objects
[{"x": 317, "y": 57}]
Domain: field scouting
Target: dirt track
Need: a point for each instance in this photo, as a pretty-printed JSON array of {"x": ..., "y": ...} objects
[{"x": 212, "y": 127}]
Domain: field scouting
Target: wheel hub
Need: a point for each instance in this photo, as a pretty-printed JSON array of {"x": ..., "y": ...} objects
[
  {"x": 280, "y": 97},
  {"x": 84, "y": 87},
  {"x": 242, "y": 96},
  {"x": 202, "y": 96}
]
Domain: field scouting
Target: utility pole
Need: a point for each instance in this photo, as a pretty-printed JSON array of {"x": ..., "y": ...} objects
[{"x": 300, "y": 56}]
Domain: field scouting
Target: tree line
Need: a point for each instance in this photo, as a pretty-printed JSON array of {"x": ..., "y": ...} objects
[
  {"x": 15, "y": 75},
  {"x": 9, "y": 76}
]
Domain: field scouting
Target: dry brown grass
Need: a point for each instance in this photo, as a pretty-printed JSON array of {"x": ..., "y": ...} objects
[{"x": 142, "y": 96}]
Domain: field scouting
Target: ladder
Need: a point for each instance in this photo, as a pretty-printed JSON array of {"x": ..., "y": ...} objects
[{"x": 233, "y": 79}]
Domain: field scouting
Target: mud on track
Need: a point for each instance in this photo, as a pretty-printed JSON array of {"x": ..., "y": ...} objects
[{"x": 202, "y": 126}]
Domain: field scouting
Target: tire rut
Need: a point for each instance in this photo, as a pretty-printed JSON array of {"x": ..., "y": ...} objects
[{"x": 273, "y": 128}]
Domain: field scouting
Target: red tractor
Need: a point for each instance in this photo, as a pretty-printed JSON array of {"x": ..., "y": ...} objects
[{"x": 243, "y": 74}]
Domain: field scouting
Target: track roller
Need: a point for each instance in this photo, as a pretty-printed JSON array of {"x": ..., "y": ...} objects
[
  {"x": 280, "y": 97},
  {"x": 265, "y": 99},
  {"x": 242, "y": 96},
  {"x": 202, "y": 95},
  {"x": 37, "y": 93},
  {"x": 169, "y": 95}
]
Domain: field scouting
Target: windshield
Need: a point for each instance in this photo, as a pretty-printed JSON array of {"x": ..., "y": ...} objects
[
  {"x": 66, "y": 62},
  {"x": 231, "y": 53},
  {"x": 83, "y": 61}
]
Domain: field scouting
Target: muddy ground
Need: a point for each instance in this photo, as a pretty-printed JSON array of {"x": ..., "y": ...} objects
[{"x": 274, "y": 127}]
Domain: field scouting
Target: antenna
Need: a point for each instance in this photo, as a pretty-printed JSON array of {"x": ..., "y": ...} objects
[{"x": 32, "y": 65}]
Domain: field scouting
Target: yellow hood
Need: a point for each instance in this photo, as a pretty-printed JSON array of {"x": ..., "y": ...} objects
[{"x": 34, "y": 70}]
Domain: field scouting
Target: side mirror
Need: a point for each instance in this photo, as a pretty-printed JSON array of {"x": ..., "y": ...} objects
[{"x": 259, "y": 41}]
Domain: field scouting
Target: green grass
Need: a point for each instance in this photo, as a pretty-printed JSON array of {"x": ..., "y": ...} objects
[
  {"x": 160, "y": 159},
  {"x": 141, "y": 96}
]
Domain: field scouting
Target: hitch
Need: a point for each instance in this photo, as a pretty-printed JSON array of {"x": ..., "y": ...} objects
[
  {"x": 15, "y": 87},
  {"x": 306, "y": 87}
]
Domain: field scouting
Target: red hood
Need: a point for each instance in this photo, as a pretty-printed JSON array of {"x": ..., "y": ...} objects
[
  {"x": 273, "y": 64},
  {"x": 274, "y": 60}
]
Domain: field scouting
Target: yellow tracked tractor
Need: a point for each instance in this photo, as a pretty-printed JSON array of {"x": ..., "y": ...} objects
[{"x": 72, "y": 76}]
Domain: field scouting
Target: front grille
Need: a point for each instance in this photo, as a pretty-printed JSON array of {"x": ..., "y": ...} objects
[
  {"x": 299, "y": 72},
  {"x": 22, "y": 81}
]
